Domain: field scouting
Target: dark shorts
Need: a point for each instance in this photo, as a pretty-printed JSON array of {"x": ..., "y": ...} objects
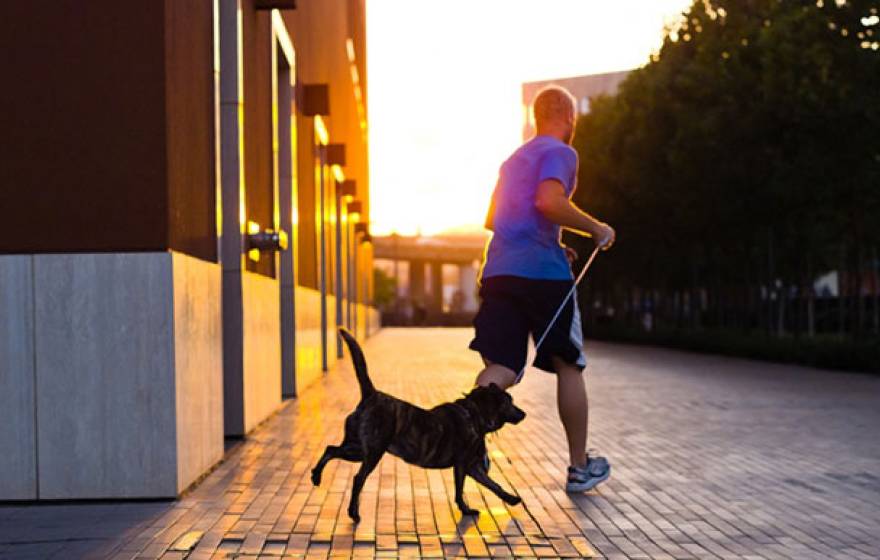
[{"x": 512, "y": 308}]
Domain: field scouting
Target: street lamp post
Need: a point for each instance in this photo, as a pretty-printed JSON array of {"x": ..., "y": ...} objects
[
  {"x": 363, "y": 229},
  {"x": 345, "y": 191},
  {"x": 322, "y": 258},
  {"x": 354, "y": 209},
  {"x": 336, "y": 159},
  {"x": 339, "y": 291},
  {"x": 351, "y": 262},
  {"x": 352, "y": 274},
  {"x": 396, "y": 280}
]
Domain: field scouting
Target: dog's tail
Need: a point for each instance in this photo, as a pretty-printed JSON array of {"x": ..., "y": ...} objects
[{"x": 360, "y": 364}]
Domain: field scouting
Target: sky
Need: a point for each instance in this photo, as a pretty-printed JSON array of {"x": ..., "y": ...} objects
[{"x": 444, "y": 91}]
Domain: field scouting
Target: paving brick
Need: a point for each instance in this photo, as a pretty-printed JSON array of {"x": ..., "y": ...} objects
[{"x": 712, "y": 458}]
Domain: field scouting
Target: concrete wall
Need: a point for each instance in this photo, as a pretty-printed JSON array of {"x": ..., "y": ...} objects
[
  {"x": 308, "y": 333},
  {"x": 105, "y": 386},
  {"x": 368, "y": 321},
  {"x": 198, "y": 366},
  {"x": 18, "y": 470},
  {"x": 331, "y": 331},
  {"x": 126, "y": 361},
  {"x": 308, "y": 336},
  {"x": 261, "y": 347}
]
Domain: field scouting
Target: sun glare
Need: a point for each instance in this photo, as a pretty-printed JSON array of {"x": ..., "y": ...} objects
[{"x": 445, "y": 91}]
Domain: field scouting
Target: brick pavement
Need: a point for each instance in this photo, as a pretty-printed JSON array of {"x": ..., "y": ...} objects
[{"x": 712, "y": 458}]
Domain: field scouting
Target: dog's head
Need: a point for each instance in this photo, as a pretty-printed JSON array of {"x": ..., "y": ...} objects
[{"x": 495, "y": 406}]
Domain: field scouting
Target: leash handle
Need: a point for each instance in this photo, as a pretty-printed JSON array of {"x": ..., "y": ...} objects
[{"x": 562, "y": 305}]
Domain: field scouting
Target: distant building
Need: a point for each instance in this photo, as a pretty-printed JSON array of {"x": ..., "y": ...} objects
[
  {"x": 437, "y": 275},
  {"x": 582, "y": 87}
]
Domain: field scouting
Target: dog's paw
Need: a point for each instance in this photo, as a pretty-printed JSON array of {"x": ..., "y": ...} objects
[
  {"x": 513, "y": 500},
  {"x": 355, "y": 516},
  {"x": 316, "y": 477}
]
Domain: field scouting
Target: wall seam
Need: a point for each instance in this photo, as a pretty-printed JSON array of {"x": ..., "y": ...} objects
[
  {"x": 173, "y": 370},
  {"x": 34, "y": 364},
  {"x": 166, "y": 163}
]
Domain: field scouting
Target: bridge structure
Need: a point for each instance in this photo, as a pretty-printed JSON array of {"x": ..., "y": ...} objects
[{"x": 424, "y": 258}]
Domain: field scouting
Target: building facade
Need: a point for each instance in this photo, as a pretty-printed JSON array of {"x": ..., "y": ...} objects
[
  {"x": 583, "y": 88},
  {"x": 185, "y": 224}
]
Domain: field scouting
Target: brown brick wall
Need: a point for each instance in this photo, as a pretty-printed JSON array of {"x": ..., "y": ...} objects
[
  {"x": 189, "y": 90},
  {"x": 89, "y": 161}
]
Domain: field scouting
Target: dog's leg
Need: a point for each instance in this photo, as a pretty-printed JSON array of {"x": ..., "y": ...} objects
[
  {"x": 480, "y": 475},
  {"x": 349, "y": 449},
  {"x": 371, "y": 459},
  {"x": 458, "y": 472},
  {"x": 345, "y": 452}
]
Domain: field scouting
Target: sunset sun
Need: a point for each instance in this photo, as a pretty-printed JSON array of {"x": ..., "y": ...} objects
[{"x": 445, "y": 92}]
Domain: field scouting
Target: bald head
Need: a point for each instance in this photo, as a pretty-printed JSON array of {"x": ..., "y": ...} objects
[{"x": 554, "y": 111}]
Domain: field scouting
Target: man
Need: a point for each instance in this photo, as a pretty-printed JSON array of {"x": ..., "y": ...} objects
[{"x": 526, "y": 275}]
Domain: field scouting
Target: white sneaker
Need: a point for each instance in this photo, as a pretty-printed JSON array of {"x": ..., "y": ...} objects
[{"x": 583, "y": 479}]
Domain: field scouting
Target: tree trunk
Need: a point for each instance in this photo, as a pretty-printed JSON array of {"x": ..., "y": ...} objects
[
  {"x": 746, "y": 292},
  {"x": 771, "y": 281},
  {"x": 811, "y": 301},
  {"x": 841, "y": 293},
  {"x": 696, "y": 301},
  {"x": 860, "y": 297},
  {"x": 780, "y": 318},
  {"x": 811, "y": 315},
  {"x": 876, "y": 286},
  {"x": 719, "y": 295},
  {"x": 680, "y": 323},
  {"x": 753, "y": 294}
]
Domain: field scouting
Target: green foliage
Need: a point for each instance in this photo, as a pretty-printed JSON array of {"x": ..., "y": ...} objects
[
  {"x": 384, "y": 287},
  {"x": 743, "y": 161},
  {"x": 822, "y": 352}
]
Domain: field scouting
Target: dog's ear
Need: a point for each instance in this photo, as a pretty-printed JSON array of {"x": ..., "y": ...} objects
[{"x": 495, "y": 387}]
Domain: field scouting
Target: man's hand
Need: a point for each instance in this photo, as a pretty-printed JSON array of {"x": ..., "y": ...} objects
[{"x": 605, "y": 237}]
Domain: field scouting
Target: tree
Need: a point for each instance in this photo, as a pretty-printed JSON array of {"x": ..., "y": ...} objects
[
  {"x": 384, "y": 288},
  {"x": 740, "y": 163}
]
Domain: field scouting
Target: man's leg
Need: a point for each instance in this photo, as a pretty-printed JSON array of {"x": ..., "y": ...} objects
[
  {"x": 571, "y": 399},
  {"x": 496, "y": 373}
]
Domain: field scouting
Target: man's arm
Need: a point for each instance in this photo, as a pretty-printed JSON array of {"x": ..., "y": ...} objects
[{"x": 551, "y": 201}]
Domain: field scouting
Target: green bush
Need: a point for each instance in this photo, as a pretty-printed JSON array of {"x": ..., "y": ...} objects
[{"x": 827, "y": 352}]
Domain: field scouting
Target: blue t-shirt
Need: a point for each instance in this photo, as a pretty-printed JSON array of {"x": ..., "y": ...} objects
[{"x": 524, "y": 242}]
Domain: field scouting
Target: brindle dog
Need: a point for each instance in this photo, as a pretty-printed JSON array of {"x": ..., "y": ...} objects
[{"x": 449, "y": 435}]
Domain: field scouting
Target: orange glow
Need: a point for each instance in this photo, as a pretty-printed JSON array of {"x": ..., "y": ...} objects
[
  {"x": 321, "y": 130},
  {"x": 338, "y": 174},
  {"x": 445, "y": 91},
  {"x": 349, "y": 49}
]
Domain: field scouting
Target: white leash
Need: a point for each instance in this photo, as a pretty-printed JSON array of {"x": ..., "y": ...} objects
[{"x": 562, "y": 305}]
